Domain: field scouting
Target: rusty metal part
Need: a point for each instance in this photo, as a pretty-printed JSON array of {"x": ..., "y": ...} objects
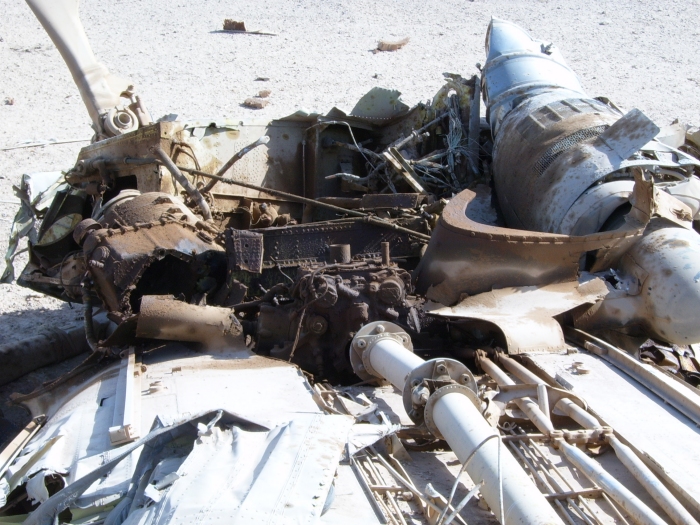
[
  {"x": 244, "y": 250},
  {"x": 386, "y": 253},
  {"x": 146, "y": 207},
  {"x": 466, "y": 256},
  {"x": 171, "y": 256},
  {"x": 378, "y": 200},
  {"x": 340, "y": 253},
  {"x": 83, "y": 228},
  {"x": 526, "y": 315},
  {"x": 309, "y": 243},
  {"x": 327, "y": 305},
  {"x": 90, "y": 334},
  {"x": 162, "y": 317},
  {"x": 193, "y": 192}
]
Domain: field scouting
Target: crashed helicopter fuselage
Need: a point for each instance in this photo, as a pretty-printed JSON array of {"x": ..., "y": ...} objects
[{"x": 244, "y": 268}]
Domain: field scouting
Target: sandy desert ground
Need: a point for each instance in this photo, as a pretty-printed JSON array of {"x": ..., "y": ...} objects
[{"x": 640, "y": 54}]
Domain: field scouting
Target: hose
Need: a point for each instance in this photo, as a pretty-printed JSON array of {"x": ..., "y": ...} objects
[{"x": 87, "y": 316}]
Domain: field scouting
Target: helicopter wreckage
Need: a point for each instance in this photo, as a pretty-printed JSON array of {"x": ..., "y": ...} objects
[{"x": 520, "y": 290}]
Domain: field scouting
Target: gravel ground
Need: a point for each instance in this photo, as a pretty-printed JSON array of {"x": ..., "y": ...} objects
[{"x": 638, "y": 53}]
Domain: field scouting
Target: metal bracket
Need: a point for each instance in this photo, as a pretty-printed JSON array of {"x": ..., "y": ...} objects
[
  {"x": 435, "y": 374},
  {"x": 508, "y": 393},
  {"x": 14, "y": 447},
  {"x": 440, "y": 392}
]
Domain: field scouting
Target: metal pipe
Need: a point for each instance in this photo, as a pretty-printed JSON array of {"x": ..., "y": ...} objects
[
  {"x": 469, "y": 435},
  {"x": 393, "y": 362},
  {"x": 386, "y": 253},
  {"x": 567, "y": 406},
  {"x": 527, "y": 405},
  {"x": 90, "y": 336},
  {"x": 649, "y": 481},
  {"x": 625, "y": 454},
  {"x": 162, "y": 317},
  {"x": 193, "y": 192},
  {"x": 543, "y": 399},
  {"x": 464, "y": 428},
  {"x": 637, "y": 509}
]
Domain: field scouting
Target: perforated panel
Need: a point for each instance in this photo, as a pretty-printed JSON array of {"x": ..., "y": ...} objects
[{"x": 567, "y": 143}]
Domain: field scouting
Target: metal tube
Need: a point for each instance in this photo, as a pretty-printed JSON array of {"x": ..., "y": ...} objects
[
  {"x": 90, "y": 336},
  {"x": 465, "y": 429},
  {"x": 162, "y": 317},
  {"x": 527, "y": 405},
  {"x": 468, "y": 433},
  {"x": 543, "y": 399},
  {"x": 393, "y": 362},
  {"x": 567, "y": 406},
  {"x": 193, "y": 192},
  {"x": 649, "y": 481},
  {"x": 626, "y": 455},
  {"x": 639, "y": 511}
]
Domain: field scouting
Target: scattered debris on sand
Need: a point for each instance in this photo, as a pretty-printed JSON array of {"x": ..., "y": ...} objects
[
  {"x": 391, "y": 45},
  {"x": 255, "y": 102},
  {"x": 233, "y": 25}
]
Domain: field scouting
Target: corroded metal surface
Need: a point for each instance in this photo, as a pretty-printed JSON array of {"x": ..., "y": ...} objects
[{"x": 468, "y": 257}]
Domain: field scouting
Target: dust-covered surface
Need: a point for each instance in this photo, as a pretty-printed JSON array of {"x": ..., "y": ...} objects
[{"x": 639, "y": 54}]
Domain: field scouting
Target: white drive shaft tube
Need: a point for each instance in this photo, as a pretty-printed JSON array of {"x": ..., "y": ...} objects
[
  {"x": 393, "y": 362},
  {"x": 383, "y": 350},
  {"x": 464, "y": 429}
]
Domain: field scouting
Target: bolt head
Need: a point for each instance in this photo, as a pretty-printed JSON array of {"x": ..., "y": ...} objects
[
  {"x": 361, "y": 343},
  {"x": 380, "y": 329}
]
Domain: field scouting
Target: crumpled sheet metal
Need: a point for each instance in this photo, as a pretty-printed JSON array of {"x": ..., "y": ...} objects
[
  {"x": 36, "y": 192},
  {"x": 234, "y": 476},
  {"x": 271, "y": 459},
  {"x": 466, "y": 256},
  {"x": 177, "y": 381},
  {"x": 525, "y": 314}
]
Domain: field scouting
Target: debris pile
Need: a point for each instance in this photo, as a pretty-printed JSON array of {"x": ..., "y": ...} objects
[{"x": 245, "y": 267}]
